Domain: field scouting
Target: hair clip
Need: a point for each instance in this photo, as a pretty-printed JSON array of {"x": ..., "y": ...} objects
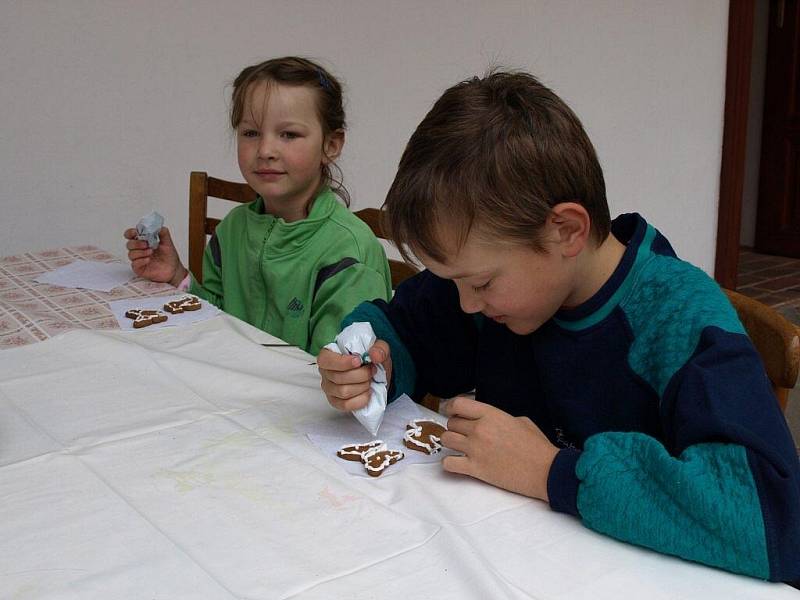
[{"x": 323, "y": 81}]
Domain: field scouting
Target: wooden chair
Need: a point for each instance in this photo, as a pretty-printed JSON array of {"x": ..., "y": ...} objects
[
  {"x": 400, "y": 270},
  {"x": 201, "y": 188},
  {"x": 776, "y": 339}
]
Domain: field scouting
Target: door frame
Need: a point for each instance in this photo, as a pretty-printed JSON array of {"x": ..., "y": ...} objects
[{"x": 741, "y": 18}]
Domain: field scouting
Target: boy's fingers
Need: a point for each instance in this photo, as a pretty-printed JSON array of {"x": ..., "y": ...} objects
[
  {"x": 454, "y": 441},
  {"x": 379, "y": 352},
  {"x": 350, "y": 377},
  {"x": 464, "y": 427},
  {"x": 349, "y": 404},
  {"x": 344, "y": 392},
  {"x": 528, "y": 423},
  {"x": 129, "y": 234},
  {"x": 331, "y": 361},
  {"x": 457, "y": 464},
  {"x": 326, "y": 359},
  {"x": 463, "y": 406}
]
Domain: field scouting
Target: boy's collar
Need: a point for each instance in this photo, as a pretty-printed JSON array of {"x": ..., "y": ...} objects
[{"x": 632, "y": 231}]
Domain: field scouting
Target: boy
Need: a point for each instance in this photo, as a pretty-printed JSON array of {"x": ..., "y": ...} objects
[{"x": 611, "y": 379}]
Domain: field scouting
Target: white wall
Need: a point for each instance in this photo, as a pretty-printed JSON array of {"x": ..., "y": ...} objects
[{"x": 106, "y": 106}]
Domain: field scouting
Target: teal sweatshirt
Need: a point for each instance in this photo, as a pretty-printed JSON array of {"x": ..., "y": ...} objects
[{"x": 670, "y": 435}]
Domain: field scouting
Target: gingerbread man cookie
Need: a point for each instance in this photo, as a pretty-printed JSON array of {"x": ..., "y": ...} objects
[
  {"x": 143, "y": 318},
  {"x": 187, "y": 303},
  {"x": 356, "y": 451},
  {"x": 376, "y": 460},
  {"x": 374, "y": 455},
  {"x": 424, "y": 436}
]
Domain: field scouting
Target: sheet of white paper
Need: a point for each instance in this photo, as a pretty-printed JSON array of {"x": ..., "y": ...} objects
[
  {"x": 341, "y": 430},
  {"x": 89, "y": 275},
  {"x": 120, "y": 307}
]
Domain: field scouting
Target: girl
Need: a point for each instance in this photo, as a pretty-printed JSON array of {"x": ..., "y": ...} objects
[{"x": 294, "y": 261}]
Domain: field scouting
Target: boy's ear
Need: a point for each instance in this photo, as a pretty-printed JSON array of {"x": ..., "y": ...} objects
[
  {"x": 571, "y": 227},
  {"x": 332, "y": 146}
]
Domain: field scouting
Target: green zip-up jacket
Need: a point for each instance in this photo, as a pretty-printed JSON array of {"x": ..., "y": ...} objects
[{"x": 296, "y": 280}]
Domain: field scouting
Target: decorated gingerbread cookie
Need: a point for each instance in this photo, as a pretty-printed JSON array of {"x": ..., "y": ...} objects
[
  {"x": 374, "y": 455},
  {"x": 424, "y": 436},
  {"x": 356, "y": 451},
  {"x": 143, "y": 318},
  {"x": 187, "y": 303},
  {"x": 377, "y": 460}
]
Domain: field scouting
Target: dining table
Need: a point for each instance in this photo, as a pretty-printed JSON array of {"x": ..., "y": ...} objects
[{"x": 179, "y": 461}]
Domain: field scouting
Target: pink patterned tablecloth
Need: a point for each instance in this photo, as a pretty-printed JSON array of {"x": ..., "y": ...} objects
[{"x": 32, "y": 312}]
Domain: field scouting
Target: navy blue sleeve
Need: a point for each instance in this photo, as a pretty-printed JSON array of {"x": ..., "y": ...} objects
[
  {"x": 734, "y": 403},
  {"x": 724, "y": 486},
  {"x": 440, "y": 338}
]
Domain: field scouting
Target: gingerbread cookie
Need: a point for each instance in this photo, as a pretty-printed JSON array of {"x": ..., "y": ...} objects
[
  {"x": 143, "y": 318},
  {"x": 374, "y": 455},
  {"x": 424, "y": 436},
  {"x": 376, "y": 460},
  {"x": 187, "y": 303},
  {"x": 356, "y": 451}
]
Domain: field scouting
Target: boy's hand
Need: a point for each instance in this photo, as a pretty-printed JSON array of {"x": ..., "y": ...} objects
[
  {"x": 161, "y": 264},
  {"x": 509, "y": 452},
  {"x": 345, "y": 380}
]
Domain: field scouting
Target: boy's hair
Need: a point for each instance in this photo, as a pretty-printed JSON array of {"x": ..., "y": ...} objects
[
  {"x": 301, "y": 72},
  {"x": 497, "y": 152}
]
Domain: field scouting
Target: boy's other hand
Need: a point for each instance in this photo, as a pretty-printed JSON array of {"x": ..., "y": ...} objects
[
  {"x": 161, "y": 264},
  {"x": 509, "y": 452},
  {"x": 345, "y": 380}
]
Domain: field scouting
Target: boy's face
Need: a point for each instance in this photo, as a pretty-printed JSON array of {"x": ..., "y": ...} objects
[{"x": 509, "y": 283}]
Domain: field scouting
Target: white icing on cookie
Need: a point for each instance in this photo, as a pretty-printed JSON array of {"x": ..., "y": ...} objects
[
  {"x": 376, "y": 460},
  {"x": 357, "y": 451},
  {"x": 187, "y": 303},
  {"x": 431, "y": 444},
  {"x": 143, "y": 318}
]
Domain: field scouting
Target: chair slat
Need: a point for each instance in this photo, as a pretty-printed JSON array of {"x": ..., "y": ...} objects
[
  {"x": 399, "y": 269},
  {"x": 201, "y": 188},
  {"x": 775, "y": 338}
]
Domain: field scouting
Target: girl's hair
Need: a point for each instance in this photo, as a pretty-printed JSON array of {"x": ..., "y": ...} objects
[
  {"x": 498, "y": 152},
  {"x": 296, "y": 71}
]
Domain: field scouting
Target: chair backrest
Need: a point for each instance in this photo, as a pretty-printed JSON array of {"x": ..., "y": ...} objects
[
  {"x": 400, "y": 270},
  {"x": 776, "y": 339},
  {"x": 201, "y": 188}
]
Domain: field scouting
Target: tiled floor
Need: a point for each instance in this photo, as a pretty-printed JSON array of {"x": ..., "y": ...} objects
[{"x": 775, "y": 280}]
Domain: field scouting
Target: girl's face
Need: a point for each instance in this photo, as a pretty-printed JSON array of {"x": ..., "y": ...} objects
[{"x": 281, "y": 147}]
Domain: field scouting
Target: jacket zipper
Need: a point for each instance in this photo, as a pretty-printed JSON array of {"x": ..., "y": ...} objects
[{"x": 261, "y": 272}]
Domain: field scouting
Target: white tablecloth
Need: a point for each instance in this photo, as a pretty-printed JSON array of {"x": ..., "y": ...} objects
[{"x": 166, "y": 464}]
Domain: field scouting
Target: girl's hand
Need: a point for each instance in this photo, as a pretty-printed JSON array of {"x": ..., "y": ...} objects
[
  {"x": 345, "y": 380},
  {"x": 162, "y": 264},
  {"x": 509, "y": 452}
]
